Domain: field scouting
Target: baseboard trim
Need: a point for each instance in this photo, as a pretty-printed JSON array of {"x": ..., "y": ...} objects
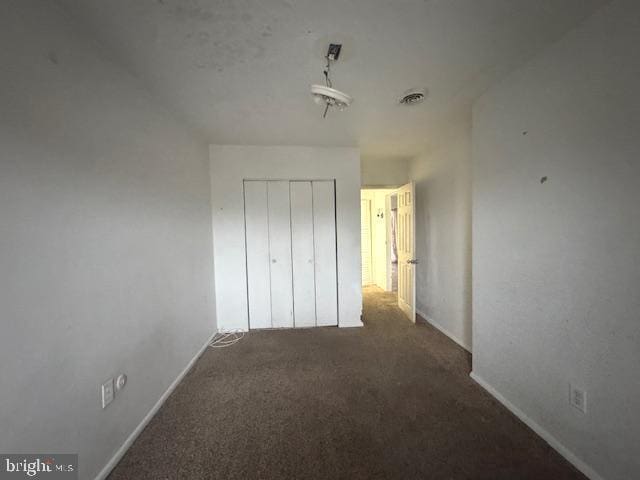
[
  {"x": 437, "y": 326},
  {"x": 540, "y": 431},
  {"x": 350, "y": 325},
  {"x": 106, "y": 470}
]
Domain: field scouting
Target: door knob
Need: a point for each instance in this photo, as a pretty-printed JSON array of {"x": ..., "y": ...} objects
[
  {"x": 413, "y": 261},
  {"x": 273, "y": 260}
]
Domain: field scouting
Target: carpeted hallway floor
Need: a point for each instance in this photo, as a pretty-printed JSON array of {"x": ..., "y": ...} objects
[{"x": 392, "y": 400}]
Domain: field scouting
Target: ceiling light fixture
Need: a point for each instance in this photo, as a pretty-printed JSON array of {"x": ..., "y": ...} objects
[{"x": 325, "y": 94}]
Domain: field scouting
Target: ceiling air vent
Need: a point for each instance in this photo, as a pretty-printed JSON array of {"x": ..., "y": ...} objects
[{"x": 413, "y": 96}]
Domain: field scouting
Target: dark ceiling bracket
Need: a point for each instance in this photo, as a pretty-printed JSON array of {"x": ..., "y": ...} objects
[{"x": 334, "y": 51}]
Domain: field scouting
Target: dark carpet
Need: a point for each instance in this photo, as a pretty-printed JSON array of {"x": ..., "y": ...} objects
[{"x": 392, "y": 400}]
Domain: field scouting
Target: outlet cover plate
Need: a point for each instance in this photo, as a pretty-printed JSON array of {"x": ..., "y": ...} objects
[
  {"x": 107, "y": 393},
  {"x": 578, "y": 398}
]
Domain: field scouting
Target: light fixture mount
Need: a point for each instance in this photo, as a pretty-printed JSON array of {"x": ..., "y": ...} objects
[
  {"x": 330, "y": 96},
  {"x": 326, "y": 94},
  {"x": 334, "y": 51}
]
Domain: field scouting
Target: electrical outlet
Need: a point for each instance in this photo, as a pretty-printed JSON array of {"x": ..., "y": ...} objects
[
  {"x": 578, "y": 398},
  {"x": 107, "y": 392}
]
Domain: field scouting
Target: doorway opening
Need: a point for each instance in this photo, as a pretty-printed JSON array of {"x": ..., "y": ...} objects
[
  {"x": 387, "y": 230},
  {"x": 378, "y": 238}
]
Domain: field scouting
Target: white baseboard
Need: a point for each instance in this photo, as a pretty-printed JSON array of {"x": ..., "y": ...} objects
[
  {"x": 350, "y": 325},
  {"x": 436, "y": 325},
  {"x": 106, "y": 470},
  {"x": 544, "y": 434}
]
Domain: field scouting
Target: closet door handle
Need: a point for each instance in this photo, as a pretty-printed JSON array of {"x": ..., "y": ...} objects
[{"x": 273, "y": 260}]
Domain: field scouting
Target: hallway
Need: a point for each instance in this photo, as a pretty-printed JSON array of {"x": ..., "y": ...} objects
[{"x": 390, "y": 400}]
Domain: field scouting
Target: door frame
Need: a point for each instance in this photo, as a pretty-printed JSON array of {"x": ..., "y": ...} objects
[
  {"x": 387, "y": 212},
  {"x": 365, "y": 204}
]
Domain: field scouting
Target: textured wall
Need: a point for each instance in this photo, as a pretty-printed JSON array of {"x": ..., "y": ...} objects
[
  {"x": 443, "y": 232},
  {"x": 556, "y": 230},
  {"x": 105, "y": 242}
]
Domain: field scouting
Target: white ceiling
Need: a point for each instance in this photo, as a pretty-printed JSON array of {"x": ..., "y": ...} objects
[{"x": 239, "y": 70}]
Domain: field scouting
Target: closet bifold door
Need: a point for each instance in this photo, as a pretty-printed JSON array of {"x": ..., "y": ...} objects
[
  {"x": 324, "y": 240},
  {"x": 280, "y": 254},
  {"x": 257, "y": 244},
  {"x": 302, "y": 254}
]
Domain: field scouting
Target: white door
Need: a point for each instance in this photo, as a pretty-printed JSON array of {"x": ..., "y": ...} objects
[
  {"x": 280, "y": 254},
  {"x": 406, "y": 251},
  {"x": 290, "y": 237},
  {"x": 365, "y": 240},
  {"x": 324, "y": 238},
  {"x": 257, "y": 242},
  {"x": 302, "y": 255}
]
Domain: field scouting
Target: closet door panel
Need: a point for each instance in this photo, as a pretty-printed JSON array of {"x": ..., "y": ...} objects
[
  {"x": 257, "y": 243},
  {"x": 302, "y": 254},
  {"x": 280, "y": 254},
  {"x": 324, "y": 227}
]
